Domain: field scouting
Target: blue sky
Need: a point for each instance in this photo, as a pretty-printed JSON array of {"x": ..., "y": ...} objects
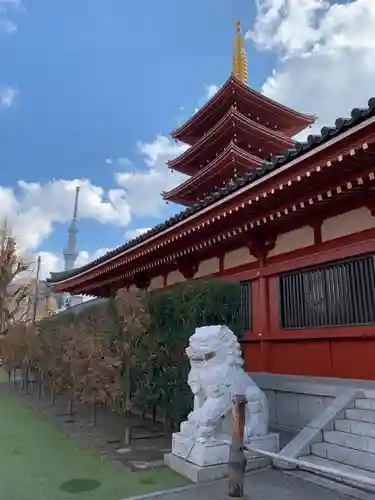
[{"x": 98, "y": 86}]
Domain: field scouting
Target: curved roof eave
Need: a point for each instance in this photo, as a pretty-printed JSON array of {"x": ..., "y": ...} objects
[
  {"x": 182, "y": 130},
  {"x": 230, "y": 151},
  {"x": 342, "y": 125}
]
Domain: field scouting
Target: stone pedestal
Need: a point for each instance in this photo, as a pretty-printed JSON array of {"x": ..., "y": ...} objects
[{"x": 202, "y": 462}]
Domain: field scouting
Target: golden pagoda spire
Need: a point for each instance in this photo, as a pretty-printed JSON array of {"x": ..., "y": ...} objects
[{"x": 239, "y": 58}]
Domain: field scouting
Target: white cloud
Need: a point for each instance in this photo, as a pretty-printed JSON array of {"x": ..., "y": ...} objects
[
  {"x": 37, "y": 207},
  {"x": 209, "y": 91},
  {"x": 134, "y": 233},
  {"x": 8, "y": 203},
  {"x": 7, "y": 27},
  {"x": 33, "y": 209},
  {"x": 7, "y": 95},
  {"x": 143, "y": 187},
  {"x": 10, "y": 3},
  {"x": 122, "y": 161},
  {"x": 85, "y": 257},
  {"x": 7, "y": 8},
  {"x": 52, "y": 262},
  {"x": 326, "y": 52},
  {"x": 49, "y": 262}
]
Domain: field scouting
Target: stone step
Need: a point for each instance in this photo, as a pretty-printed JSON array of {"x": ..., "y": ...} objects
[
  {"x": 369, "y": 393},
  {"x": 361, "y": 415},
  {"x": 365, "y": 404},
  {"x": 348, "y": 456},
  {"x": 355, "y": 427},
  {"x": 361, "y": 443},
  {"x": 337, "y": 466},
  {"x": 353, "y": 489},
  {"x": 345, "y": 491}
]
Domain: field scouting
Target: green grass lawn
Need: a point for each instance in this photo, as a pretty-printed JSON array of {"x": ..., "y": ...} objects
[{"x": 38, "y": 462}]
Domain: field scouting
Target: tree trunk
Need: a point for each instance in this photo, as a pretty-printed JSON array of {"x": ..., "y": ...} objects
[
  {"x": 70, "y": 405},
  {"x": 42, "y": 385},
  {"x": 94, "y": 414},
  {"x": 27, "y": 371},
  {"x": 237, "y": 461},
  {"x": 39, "y": 388},
  {"x": 14, "y": 376},
  {"x": 127, "y": 386},
  {"x": 9, "y": 377},
  {"x": 154, "y": 410},
  {"x": 53, "y": 394},
  {"x": 22, "y": 370},
  {"x": 40, "y": 392}
]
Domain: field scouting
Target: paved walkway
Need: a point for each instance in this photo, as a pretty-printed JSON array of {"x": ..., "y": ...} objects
[{"x": 265, "y": 485}]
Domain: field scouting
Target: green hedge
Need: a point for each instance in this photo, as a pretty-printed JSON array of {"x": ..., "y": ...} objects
[{"x": 159, "y": 365}]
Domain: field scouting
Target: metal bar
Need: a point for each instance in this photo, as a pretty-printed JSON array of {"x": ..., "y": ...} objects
[
  {"x": 367, "y": 292},
  {"x": 360, "y": 284},
  {"x": 348, "y": 287},
  {"x": 287, "y": 302},
  {"x": 301, "y": 301},
  {"x": 237, "y": 461},
  {"x": 338, "y": 294},
  {"x": 245, "y": 312}
]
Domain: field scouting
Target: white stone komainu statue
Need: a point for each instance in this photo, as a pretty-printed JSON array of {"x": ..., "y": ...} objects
[{"x": 216, "y": 375}]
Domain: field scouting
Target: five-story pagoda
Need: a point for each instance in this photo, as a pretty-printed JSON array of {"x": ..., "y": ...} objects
[{"x": 237, "y": 130}]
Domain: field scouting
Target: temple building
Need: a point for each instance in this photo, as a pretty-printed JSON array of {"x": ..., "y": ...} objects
[
  {"x": 236, "y": 132},
  {"x": 294, "y": 224}
]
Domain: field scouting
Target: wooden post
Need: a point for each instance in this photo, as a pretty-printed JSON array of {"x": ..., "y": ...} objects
[{"x": 237, "y": 461}]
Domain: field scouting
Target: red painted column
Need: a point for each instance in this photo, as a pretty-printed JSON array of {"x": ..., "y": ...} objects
[
  {"x": 261, "y": 316},
  {"x": 264, "y": 315}
]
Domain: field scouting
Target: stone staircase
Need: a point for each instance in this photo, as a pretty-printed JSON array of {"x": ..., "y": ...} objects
[{"x": 350, "y": 447}]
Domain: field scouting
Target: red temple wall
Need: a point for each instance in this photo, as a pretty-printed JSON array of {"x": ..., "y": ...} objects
[
  {"x": 324, "y": 357},
  {"x": 346, "y": 352}
]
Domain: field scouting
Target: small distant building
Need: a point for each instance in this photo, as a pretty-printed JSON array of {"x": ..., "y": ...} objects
[{"x": 46, "y": 300}]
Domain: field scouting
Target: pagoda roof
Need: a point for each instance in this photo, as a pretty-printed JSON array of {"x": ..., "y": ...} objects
[
  {"x": 234, "y": 87},
  {"x": 215, "y": 169},
  {"x": 183, "y": 162},
  {"x": 341, "y": 126}
]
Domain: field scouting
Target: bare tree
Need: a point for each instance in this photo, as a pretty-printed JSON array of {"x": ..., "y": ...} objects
[{"x": 14, "y": 292}]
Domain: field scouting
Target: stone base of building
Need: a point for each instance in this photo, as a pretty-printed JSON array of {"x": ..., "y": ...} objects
[{"x": 201, "y": 462}]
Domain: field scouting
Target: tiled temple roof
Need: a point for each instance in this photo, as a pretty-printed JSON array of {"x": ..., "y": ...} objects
[{"x": 341, "y": 125}]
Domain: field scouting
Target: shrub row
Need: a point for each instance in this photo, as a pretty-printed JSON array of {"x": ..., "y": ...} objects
[{"x": 127, "y": 353}]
